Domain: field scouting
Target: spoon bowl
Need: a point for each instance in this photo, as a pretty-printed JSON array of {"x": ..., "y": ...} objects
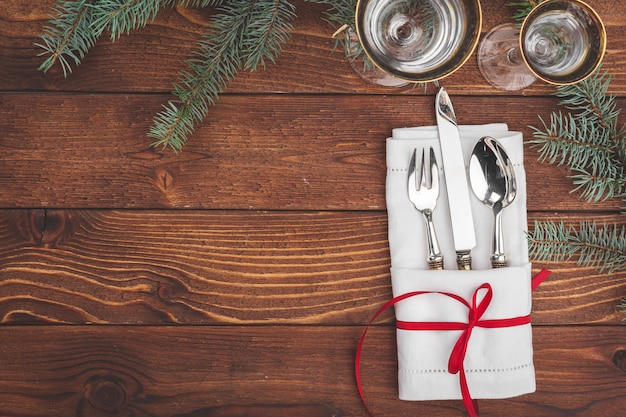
[{"x": 492, "y": 178}]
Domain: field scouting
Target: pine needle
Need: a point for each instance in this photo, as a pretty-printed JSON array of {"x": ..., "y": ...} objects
[
  {"x": 586, "y": 139},
  {"x": 77, "y": 25},
  {"x": 68, "y": 36},
  {"x": 522, "y": 8},
  {"x": 603, "y": 248},
  {"x": 267, "y": 30},
  {"x": 121, "y": 16},
  {"x": 242, "y": 35},
  {"x": 198, "y": 3}
]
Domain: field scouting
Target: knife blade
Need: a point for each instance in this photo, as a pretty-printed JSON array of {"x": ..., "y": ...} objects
[{"x": 456, "y": 180}]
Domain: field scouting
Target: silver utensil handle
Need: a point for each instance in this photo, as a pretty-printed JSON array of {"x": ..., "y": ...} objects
[
  {"x": 464, "y": 261},
  {"x": 498, "y": 259},
  {"x": 498, "y": 263},
  {"x": 435, "y": 257}
]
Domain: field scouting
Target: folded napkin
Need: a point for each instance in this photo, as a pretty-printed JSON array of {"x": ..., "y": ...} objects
[{"x": 496, "y": 358}]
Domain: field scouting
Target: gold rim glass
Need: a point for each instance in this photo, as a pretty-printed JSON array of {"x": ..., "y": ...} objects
[
  {"x": 418, "y": 40},
  {"x": 559, "y": 42},
  {"x": 563, "y": 41}
]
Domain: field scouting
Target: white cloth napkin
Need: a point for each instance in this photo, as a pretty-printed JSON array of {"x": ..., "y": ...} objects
[{"x": 499, "y": 362}]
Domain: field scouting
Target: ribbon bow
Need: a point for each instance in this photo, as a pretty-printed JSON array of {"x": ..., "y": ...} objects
[{"x": 476, "y": 309}]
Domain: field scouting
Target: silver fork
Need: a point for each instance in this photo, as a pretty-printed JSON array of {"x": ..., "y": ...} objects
[{"x": 423, "y": 188}]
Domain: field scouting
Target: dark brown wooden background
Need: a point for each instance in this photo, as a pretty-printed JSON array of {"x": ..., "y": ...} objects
[{"x": 235, "y": 278}]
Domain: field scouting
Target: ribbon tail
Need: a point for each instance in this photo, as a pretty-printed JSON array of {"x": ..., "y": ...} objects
[
  {"x": 357, "y": 370},
  {"x": 359, "y": 350},
  {"x": 470, "y": 404},
  {"x": 539, "y": 278}
]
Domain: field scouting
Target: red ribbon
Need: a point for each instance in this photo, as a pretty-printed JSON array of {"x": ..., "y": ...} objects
[{"x": 475, "y": 311}]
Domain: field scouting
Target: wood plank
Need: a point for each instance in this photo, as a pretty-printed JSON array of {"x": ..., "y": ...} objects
[
  {"x": 303, "y": 67},
  {"x": 208, "y": 267},
  {"x": 263, "y": 371},
  {"x": 192, "y": 267},
  {"x": 253, "y": 152},
  {"x": 235, "y": 278}
]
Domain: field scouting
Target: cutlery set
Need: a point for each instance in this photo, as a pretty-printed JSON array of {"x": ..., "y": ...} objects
[{"x": 492, "y": 180}]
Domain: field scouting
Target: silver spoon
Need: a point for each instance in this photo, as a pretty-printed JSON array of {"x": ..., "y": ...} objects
[{"x": 493, "y": 181}]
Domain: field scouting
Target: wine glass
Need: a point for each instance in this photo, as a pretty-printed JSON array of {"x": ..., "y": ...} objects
[
  {"x": 559, "y": 41},
  {"x": 418, "y": 41}
]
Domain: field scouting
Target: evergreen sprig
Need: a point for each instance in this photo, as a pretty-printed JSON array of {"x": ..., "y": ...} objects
[
  {"x": 587, "y": 139},
  {"x": 68, "y": 36},
  {"x": 121, "y": 16},
  {"x": 241, "y": 35},
  {"x": 601, "y": 247}
]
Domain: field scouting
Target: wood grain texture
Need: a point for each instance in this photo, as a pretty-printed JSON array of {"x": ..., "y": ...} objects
[
  {"x": 294, "y": 371},
  {"x": 217, "y": 267},
  {"x": 305, "y": 66},
  {"x": 281, "y": 152},
  {"x": 235, "y": 279},
  {"x": 200, "y": 267}
]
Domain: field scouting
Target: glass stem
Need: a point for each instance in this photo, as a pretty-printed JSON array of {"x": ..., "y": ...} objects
[{"x": 514, "y": 56}]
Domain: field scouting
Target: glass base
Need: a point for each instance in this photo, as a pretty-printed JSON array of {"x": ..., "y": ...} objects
[
  {"x": 367, "y": 70},
  {"x": 500, "y": 61}
]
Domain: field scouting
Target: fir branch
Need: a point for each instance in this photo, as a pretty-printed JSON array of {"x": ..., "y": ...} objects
[
  {"x": 79, "y": 24},
  {"x": 569, "y": 140},
  {"x": 603, "y": 248},
  {"x": 267, "y": 31},
  {"x": 242, "y": 35},
  {"x": 68, "y": 35},
  {"x": 122, "y": 16},
  {"x": 588, "y": 141},
  {"x": 593, "y": 188},
  {"x": 591, "y": 100},
  {"x": 216, "y": 64}
]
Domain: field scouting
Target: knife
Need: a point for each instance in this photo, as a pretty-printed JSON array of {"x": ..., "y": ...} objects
[{"x": 456, "y": 181}]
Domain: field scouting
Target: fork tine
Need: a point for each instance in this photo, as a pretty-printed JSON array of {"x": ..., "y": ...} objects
[
  {"x": 412, "y": 163},
  {"x": 423, "y": 180},
  {"x": 412, "y": 180},
  {"x": 434, "y": 172}
]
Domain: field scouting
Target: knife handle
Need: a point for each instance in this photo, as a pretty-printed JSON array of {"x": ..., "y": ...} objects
[{"x": 464, "y": 261}]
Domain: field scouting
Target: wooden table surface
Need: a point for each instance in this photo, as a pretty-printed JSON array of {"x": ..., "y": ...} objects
[{"x": 235, "y": 278}]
